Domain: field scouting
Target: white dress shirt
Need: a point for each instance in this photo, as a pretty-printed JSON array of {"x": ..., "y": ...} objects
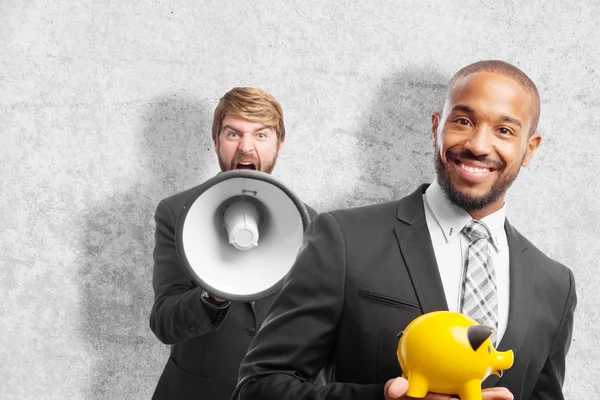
[{"x": 445, "y": 222}]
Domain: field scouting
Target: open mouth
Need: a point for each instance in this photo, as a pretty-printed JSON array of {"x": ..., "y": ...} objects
[
  {"x": 473, "y": 171},
  {"x": 471, "y": 164},
  {"x": 245, "y": 165},
  {"x": 472, "y": 168}
]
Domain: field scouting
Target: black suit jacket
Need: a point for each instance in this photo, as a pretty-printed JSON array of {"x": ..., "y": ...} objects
[
  {"x": 208, "y": 345},
  {"x": 362, "y": 276}
]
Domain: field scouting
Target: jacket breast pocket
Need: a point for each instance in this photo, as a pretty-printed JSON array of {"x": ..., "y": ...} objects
[
  {"x": 387, "y": 300},
  {"x": 392, "y": 318}
]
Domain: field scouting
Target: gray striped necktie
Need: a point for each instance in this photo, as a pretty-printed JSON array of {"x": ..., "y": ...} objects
[{"x": 479, "y": 300}]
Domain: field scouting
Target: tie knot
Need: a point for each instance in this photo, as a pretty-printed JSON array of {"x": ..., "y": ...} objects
[{"x": 476, "y": 230}]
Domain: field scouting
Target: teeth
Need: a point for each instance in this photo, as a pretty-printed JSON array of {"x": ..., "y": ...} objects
[
  {"x": 474, "y": 169},
  {"x": 246, "y": 163}
]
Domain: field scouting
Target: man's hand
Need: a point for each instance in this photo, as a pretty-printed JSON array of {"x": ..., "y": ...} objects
[
  {"x": 396, "y": 388},
  {"x": 497, "y": 393},
  {"x": 217, "y": 299}
]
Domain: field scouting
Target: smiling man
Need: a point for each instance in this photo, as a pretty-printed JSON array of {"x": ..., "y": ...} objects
[
  {"x": 209, "y": 335},
  {"x": 364, "y": 274},
  {"x": 476, "y": 173}
]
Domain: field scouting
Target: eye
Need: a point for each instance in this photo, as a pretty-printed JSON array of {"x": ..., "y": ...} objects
[
  {"x": 505, "y": 131},
  {"x": 261, "y": 135},
  {"x": 489, "y": 349},
  {"x": 233, "y": 134},
  {"x": 462, "y": 121}
]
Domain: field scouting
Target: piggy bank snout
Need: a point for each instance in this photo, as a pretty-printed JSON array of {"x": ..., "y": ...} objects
[{"x": 503, "y": 360}]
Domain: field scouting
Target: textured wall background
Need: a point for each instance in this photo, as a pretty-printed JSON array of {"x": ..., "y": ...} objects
[{"x": 105, "y": 108}]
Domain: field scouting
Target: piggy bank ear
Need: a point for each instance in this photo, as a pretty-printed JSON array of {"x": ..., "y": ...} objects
[{"x": 477, "y": 334}]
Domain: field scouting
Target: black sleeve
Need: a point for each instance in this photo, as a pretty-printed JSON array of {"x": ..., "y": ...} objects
[
  {"x": 550, "y": 382},
  {"x": 300, "y": 330},
  {"x": 179, "y": 312}
]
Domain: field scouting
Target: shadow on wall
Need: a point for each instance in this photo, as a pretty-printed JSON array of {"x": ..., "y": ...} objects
[
  {"x": 395, "y": 137},
  {"x": 175, "y": 153}
]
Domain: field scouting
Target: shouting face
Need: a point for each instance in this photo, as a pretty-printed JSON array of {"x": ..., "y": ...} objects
[
  {"x": 481, "y": 139},
  {"x": 243, "y": 144}
]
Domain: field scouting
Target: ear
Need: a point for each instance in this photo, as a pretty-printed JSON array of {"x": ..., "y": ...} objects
[
  {"x": 532, "y": 144},
  {"x": 435, "y": 123},
  {"x": 477, "y": 334},
  {"x": 216, "y": 144}
]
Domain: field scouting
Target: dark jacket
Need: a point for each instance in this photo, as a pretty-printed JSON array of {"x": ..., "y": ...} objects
[{"x": 362, "y": 276}]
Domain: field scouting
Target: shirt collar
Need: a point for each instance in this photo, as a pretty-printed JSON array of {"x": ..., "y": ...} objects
[{"x": 452, "y": 219}]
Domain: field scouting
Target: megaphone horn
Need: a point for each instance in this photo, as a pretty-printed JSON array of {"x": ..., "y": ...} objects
[{"x": 239, "y": 233}]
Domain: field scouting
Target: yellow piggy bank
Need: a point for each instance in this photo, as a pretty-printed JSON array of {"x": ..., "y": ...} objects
[{"x": 449, "y": 353}]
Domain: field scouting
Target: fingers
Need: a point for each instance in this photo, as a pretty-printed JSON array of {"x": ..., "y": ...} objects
[
  {"x": 437, "y": 396},
  {"x": 397, "y": 388},
  {"x": 497, "y": 393},
  {"x": 218, "y": 299}
]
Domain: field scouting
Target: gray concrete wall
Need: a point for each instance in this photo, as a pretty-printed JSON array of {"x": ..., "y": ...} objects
[{"x": 105, "y": 108}]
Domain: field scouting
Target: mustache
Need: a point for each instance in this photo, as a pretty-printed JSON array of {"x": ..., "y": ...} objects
[
  {"x": 483, "y": 159},
  {"x": 245, "y": 157}
]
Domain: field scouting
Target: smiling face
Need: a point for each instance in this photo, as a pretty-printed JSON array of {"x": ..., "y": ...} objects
[
  {"x": 243, "y": 144},
  {"x": 482, "y": 139}
]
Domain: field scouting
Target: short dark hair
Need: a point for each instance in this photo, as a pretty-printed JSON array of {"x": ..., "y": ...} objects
[{"x": 510, "y": 71}]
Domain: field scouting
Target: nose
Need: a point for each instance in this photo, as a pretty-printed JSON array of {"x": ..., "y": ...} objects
[
  {"x": 246, "y": 144},
  {"x": 480, "y": 141}
]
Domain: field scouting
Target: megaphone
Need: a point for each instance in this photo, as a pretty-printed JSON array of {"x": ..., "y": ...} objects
[{"x": 239, "y": 233}]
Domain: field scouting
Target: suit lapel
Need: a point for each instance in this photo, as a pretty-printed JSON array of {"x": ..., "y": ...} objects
[
  {"x": 522, "y": 275},
  {"x": 258, "y": 305},
  {"x": 252, "y": 306},
  {"x": 417, "y": 251}
]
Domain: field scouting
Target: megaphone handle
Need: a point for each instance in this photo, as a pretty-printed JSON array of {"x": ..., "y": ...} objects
[{"x": 214, "y": 300}]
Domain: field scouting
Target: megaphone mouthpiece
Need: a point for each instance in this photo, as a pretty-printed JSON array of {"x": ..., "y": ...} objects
[{"x": 241, "y": 221}]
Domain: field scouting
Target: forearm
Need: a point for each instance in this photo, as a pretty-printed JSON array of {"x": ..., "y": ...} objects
[
  {"x": 285, "y": 386},
  {"x": 181, "y": 316},
  {"x": 179, "y": 312}
]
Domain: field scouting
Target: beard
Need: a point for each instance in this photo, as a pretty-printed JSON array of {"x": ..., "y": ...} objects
[
  {"x": 258, "y": 166},
  {"x": 467, "y": 201}
]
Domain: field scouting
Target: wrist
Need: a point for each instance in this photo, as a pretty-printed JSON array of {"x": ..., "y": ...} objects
[{"x": 215, "y": 301}]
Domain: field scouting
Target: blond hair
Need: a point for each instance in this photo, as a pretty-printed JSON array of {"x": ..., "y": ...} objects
[{"x": 252, "y": 104}]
